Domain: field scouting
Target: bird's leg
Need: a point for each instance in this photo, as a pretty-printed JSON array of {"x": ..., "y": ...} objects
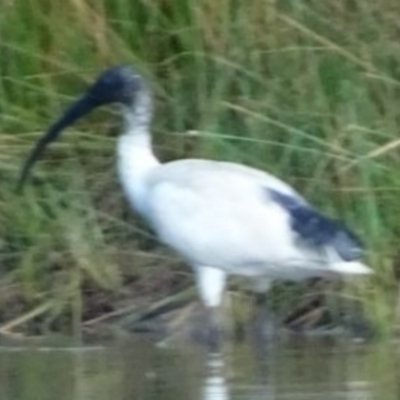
[
  {"x": 214, "y": 329},
  {"x": 264, "y": 322},
  {"x": 211, "y": 283}
]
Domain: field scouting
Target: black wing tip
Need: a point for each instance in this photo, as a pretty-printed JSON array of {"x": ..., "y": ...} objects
[{"x": 318, "y": 229}]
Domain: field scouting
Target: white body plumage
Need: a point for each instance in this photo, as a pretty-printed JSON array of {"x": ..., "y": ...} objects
[{"x": 219, "y": 218}]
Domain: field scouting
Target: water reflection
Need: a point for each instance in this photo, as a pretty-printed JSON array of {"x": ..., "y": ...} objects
[
  {"x": 139, "y": 370},
  {"x": 215, "y": 386}
]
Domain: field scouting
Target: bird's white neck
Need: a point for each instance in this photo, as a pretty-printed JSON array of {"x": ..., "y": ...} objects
[{"x": 135, "y": 154}]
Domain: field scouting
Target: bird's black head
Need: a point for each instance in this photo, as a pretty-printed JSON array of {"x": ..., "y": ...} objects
[
  {"x": 119, "y": 85},
  {"x": 115, "y": 85}
]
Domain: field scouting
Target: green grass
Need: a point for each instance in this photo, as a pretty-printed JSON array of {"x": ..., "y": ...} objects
[{"x": 308, "y": 90}]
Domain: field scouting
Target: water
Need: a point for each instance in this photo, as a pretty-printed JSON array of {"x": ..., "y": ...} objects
[{"x": 139, "y": 370}]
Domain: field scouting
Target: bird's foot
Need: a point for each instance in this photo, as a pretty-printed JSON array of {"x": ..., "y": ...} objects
[
  {"x": 265, "y": 324},
  {"x": 210, "y": 331}
]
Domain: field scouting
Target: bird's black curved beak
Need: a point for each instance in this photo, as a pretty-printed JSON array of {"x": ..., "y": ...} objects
[
  {"x": 115, "y": 85},
  {"x": 76, "y": 111}
]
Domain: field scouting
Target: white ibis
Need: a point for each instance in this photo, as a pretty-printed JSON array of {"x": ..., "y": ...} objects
[{"x": 221, "y": 217}]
